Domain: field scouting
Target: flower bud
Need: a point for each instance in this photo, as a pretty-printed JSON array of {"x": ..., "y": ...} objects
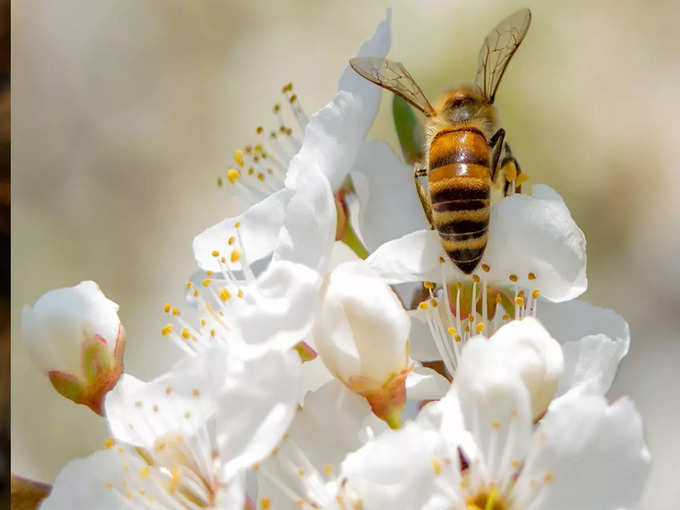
[
  {"x": 75, "y": 336},
  {"x": 361, "y": 333}
]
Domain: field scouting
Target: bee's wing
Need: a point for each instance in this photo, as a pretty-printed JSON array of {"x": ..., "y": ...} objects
[
  {"x": 393, "y": 76},
  {"x": 498, "y": 48}
]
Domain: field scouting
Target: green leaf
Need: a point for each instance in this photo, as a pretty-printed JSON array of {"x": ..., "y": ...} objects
[{"x": 410, "y": 130}]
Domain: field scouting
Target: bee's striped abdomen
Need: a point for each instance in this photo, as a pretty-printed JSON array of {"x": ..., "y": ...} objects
[{"x": 459, "y": 186}]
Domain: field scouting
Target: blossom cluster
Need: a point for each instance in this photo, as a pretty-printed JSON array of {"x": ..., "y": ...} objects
[{"x": 333, "y": 357}]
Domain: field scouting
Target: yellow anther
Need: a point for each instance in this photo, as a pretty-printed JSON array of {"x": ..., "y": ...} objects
[
  {"x": 233, "y": 175},
  {"x": 496, "y": 425},
  {"x": 452, "y": 331},
  {"x": 219, "y": 182},
  {"x": 458, "y": 339},
  {"x": 248, "y": 149},
  {"x": 328, "y": 469},
  {"x": 287, "y": 87},
  {"x": 195, "y": 294},
  {"x": 479, "y": 327},
  {"x": 185, "y": 334},
  {"x": 235, "y": 255},
  {"x": 499, "y": 298},
  {"x": 423, "y": 305},
  {"x": 206, "y": 282},
  {"x": 203, "y": 322},
  {"x": 441, "y": 260},
  {"x": 535, "y": 294},
  {"x": 260, "y": 176},
  {"x": 521, "y": 178},
  {"x": 277, "y": 108},
  {"x": 223, "y": 259},
  {"x": 239, "y": 293},
  {"x": 167, "y": 308},
  {"x": 238, "y": 157},
  {"x": 259, "y": 130},
  {"x": 475, "y": 278},
  {"x": 175, "y": 474},
  {"x": 513, "y": 278},
  {"x": 301, "y": 472},
  {"x": 212, "y": 333},
  {"x": 215, "y": 253},
  {"x": 531, "y": 276},
  {"x": 519, "y": 301},
  {"x": 166, "y": 330},
  {"x": 189, "y": 285},
  {"x": 428, "y": 285},
  {"x": 224, "y": 294},
  {"x": 289, "y": 131},
  {"x": 436, "y": 466},
  {"x": 471, "y": 319},
  {"x": 486, "y": 268},
  {"x": 266, "y": 503},
  {"x": 231, "y": 240},
  {"x": 237, "y": 224},
  {"x": 109, "y": 485},
  {"x": 521, "y": 293},
  {"x": 175, "y": 312},
  {"x": 434, "y": 303},
  {"x": 506, "y": 317},
  {"x": 109, "y": 443},
  {"x": 510, "y": 172},
  {"x": 144, "y": 472},
  {"x": 548, "y": 477},
  {"x": 293, "y": 98},
  {"x": 258, "y": 148},
  {"x": 251, "y": 170},
  {"x": 209, "y": 273}
]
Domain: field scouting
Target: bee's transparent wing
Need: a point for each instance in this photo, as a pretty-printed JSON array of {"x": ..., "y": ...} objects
[
  {"x": 498, "y": 48},
  {"x": 393, "y": 76}
]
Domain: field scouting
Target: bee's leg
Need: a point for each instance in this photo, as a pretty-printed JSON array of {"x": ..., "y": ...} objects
[
  {"x": 510, "y": 166},
  {"x": 423, "y": 194},
  {"x": 496, "y": 144}
]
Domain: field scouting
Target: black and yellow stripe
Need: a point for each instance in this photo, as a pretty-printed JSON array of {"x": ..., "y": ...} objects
[{"x": 459, "y": 186}]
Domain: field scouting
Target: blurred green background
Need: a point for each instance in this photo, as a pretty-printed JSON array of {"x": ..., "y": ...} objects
[{"x": 125, "y": 112}]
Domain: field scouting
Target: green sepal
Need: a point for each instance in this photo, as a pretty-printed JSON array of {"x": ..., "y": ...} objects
[
  {"x": 409, "y": 130},
  {"x": 67, "y": 385}
]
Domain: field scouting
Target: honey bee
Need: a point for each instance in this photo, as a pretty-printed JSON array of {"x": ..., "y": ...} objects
[{"x": 465, "y": 145}]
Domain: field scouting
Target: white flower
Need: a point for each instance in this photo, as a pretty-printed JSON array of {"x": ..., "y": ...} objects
[
  {"x": 332, "y": 139},
  {"x": 305, "y": 468},
  {"x": 583, "y": 454},
  {"x": 361, "y": 332},
  {"x": 75, "y": 336},
  {"x": 186, "y": 439}
]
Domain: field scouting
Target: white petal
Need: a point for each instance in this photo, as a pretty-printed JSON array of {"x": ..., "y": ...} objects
[
  {"x": 256, "y": 406},
  {"x": 426, "y": 384},
  {"x": 537, "y": 234},
  {"x": 413, "y": 257},
  {"x": 593, "y": 358},
  {"x": 260, "y": 225},
  {"x": 530, "y": 351},
  {"x": 593, "y": 455},
  {"x": 333, "y": 422},
  {"x": 314, "y": 376},
  {"x": 277, "y": 312},
  {"x": 391, "y": 208},
  {"x": 82, "y": 484},
  {"x": 395, "y": 469},
  {"x": 575, "y": 319},
  {"x": 341, "y": 253},
  {"x": 178, "y": 402},
  {"x": 334, "y": 133},
  {"x": 308, "y": 232},
  {"x": 495, "y": 405}
]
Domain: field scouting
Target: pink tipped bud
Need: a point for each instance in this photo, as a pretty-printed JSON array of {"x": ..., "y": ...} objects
[{"x": 75, "y": 337}]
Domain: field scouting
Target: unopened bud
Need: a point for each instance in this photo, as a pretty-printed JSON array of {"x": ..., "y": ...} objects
[{"x": 75, "y": 336}]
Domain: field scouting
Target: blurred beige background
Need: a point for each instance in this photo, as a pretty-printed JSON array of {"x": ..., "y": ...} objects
[{"x": 124, "y": 113}]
